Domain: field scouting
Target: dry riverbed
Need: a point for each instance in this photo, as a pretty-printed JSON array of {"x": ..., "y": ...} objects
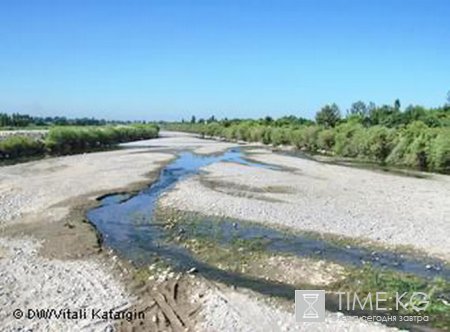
[
  {"x": 310, "y": 196},
  {"x": 51, "y": 258}
]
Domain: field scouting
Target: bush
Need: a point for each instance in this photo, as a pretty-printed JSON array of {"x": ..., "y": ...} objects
[
  {"x": 279, "y": 136},
  {"x": 439, "y": 158},
  {"x": 310, "y": 135},
  {"x": 20, "y": 146},
  {"x": 67, "y": 140},
  {"x": 296, "y": 138},
  {"x": 243, "y": 132},
  {"x": 325, "y": 139},
  {"x": 413, "y": 146},
  {"x": 257, "y": 133},
  {"x": 379, "y": 143},
  {"x": 349, "y": 139}
]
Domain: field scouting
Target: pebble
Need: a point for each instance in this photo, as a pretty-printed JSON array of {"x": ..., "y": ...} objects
[{"x": 191, "y": 270}]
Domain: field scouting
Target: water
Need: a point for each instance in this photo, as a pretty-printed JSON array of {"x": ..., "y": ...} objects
[
  {"x": 128, "y": 226},
  {"x": 126, "y": 222}
]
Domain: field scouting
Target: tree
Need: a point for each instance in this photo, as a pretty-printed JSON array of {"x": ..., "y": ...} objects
[
  {"x": 268, "y": 120},
  {"x": 358, "y": 108},
  {"x": 193, "y": 119},
  {"x": 397, "y": 104},
  {"x": 385, "y": 115},
  {"x": 328, "y": 116}
]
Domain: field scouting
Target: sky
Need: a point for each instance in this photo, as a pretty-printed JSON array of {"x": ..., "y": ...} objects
[{"x": 167, "y": 60}]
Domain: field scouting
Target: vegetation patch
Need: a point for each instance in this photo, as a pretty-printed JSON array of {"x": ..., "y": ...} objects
[
  {"x": 70, "y": 140},
  {"x": 416, "y": 137},
  {"x": 371, "y": 280}
]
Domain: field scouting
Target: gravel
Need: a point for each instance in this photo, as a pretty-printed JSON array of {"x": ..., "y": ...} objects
[
  {"x": 28, "y": 281},
  {"x": 44, "y": 192},
  {"x": 389, "y": 209},
  {"x": 235, "y": 311}
]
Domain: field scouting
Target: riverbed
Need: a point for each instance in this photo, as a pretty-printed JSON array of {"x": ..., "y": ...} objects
[{"x": 43, "y": 204}]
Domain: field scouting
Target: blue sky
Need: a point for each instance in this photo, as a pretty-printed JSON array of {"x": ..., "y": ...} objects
[{"x": 171, "y": 59}]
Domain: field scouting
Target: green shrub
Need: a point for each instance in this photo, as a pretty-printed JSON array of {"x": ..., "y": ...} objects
[
  {"x": 67, "y": 140},
  {"x": 413, "y": 146},
  {"x": 296, "y": 138},
  {"x": 279, "y": 136},
  {"x": 378, "y": 143},
  {"x": 326, "y": 139},
  {"x": 310, "y": 136},
  {"x": 349, "y": 139},
  {"x": 267, "y": 135},
  {"x": 257, "y": 133},
  {"x": 439, "y": 157},
  {"x": 20, "y": 146},
  {"x": 230, "y": 133},
  {"x": 243, "y": 132}
]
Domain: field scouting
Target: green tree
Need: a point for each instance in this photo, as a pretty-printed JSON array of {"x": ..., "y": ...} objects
[
  {"x": 328, "y": 116},
  {"x": 358, "y": 108}
]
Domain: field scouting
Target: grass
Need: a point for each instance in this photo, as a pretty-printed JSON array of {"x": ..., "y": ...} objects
[{"x": 371, "y": 280}]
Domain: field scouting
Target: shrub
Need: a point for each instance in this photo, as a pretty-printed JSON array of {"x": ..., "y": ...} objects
[
  {"x": 20, "y": 146},
  {"x": 243, "y": 132},
  {"x": 379, "y": 143},
  {"x": 296, "y": 138},
  {"x": 325, "y": 139},
  {"x": 279, "y": 136},
  {"x": 66, "y": 140},
  {"x": 267, "y": 135},
  {"x": 413, "y": 146},
  {"x": 439, "y": 157},
  {"x": 257, "y": 133},
  {"x": 349, "y": 138},
  {"x": 310, "y": 135}
]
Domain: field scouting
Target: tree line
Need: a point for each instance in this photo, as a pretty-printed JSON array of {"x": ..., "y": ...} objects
[
  {"x": 415, "y": 137},
  {"x": 17, "y": 120}
]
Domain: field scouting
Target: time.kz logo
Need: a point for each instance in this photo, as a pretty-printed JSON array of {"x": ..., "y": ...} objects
[{"x": 310, "y": 304}]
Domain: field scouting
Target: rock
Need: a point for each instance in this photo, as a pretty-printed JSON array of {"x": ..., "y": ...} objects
[{"x": 192, "y": 270}]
